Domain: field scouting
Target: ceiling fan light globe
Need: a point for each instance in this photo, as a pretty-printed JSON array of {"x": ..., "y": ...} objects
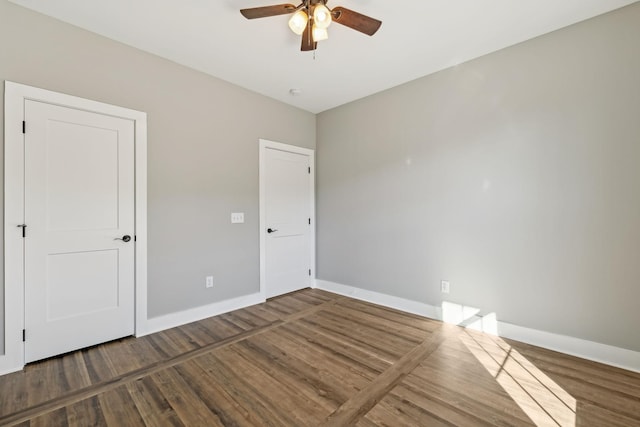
[
  {"x": 319, "y": 34},
  {"x": 321, "y": 16},
  {"x": 298, "y": 22}
]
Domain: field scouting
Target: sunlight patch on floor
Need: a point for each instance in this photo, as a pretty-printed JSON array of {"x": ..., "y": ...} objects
[{"x": 544, "y": 401}]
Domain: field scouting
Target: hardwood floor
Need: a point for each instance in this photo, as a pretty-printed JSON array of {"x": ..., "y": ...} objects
[{"x": 312, "y": 358}]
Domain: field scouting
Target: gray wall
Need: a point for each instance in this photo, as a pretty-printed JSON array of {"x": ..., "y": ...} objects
[
  {"x": 202, "y": 150},
  {"x": 515, "y": 176}
]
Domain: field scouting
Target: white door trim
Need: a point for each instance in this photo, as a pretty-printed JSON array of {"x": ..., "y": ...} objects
[
  {"x": 264, "y": 145},
  {"x": 15, "y": 95}
]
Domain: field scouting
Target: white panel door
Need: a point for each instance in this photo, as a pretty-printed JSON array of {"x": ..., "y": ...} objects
[
  {"x": 79, "y": 244},
  {"x": 288, "y": 204}
]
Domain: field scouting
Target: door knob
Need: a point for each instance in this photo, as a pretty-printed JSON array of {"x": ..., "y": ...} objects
[
  {"x": 124, "y": 238},
  {"x": 271, "y": 230}
]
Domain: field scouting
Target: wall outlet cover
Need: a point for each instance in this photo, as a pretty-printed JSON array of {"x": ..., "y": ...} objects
[{"x": 444, "y": 287}]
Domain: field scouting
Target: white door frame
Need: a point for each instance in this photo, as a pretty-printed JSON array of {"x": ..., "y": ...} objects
[
  {"x": 264, "y": 145},
  {"x": 15, "y": 95}
]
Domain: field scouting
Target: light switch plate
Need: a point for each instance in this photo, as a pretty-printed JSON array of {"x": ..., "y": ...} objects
[{"x": 237, "y": 217}]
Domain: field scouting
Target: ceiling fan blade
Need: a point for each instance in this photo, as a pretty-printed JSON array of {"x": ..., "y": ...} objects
[
  {"x": 265, "y": 11},
  {"x": 307, "y": 39},
  {"x": 355, "y": 20}
]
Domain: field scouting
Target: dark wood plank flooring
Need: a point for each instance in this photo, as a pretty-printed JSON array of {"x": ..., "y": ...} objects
[{"x": 313, "y": 358}]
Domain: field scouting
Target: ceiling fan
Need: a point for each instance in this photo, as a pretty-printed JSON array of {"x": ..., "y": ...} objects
[{"x": 312, "y": 17}]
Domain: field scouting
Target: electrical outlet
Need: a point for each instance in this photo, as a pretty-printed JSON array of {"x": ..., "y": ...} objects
[
  {"x": 444, "y": 287},
  {"x": 209, "y": 282}
]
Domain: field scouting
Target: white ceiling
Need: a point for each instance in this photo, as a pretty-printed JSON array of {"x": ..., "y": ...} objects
[{"x": 417, "y": 37}]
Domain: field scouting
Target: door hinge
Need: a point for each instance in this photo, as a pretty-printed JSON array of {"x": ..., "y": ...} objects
[
  {"x": 24, "y": 127},
  {"x": 309, "y": 221},
  {"x": 24, "y": 229},
  {"x": 309, "y": 169},
  {"x": 24, "y": 335},
  {"x": 309, "y": 272}
]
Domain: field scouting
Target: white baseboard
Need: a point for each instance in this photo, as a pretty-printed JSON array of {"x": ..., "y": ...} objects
[
  {"x": 398, "y": 303},
  {"x": 167, "y": 321},
  {"x": 602, "y": 353}
]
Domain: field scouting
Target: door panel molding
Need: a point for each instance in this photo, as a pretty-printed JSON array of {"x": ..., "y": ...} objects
[
  {"x": 265, "y": 145},
  {"x": 15, "y": 97}
]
